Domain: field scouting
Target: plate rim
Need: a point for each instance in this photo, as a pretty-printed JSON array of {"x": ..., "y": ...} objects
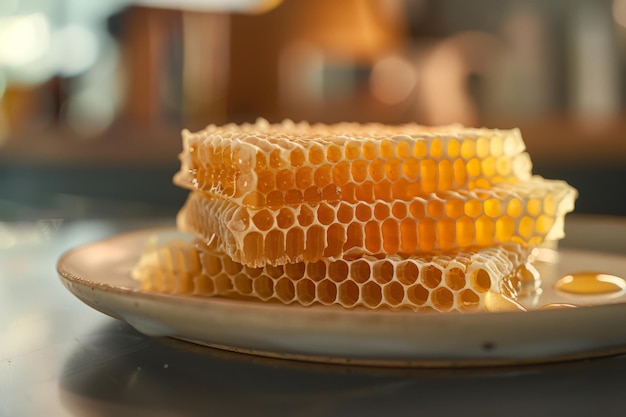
[{"x": 401, "y": 318}]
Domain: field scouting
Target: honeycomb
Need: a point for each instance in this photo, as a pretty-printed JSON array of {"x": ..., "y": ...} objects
[
  {"x": 457, "y": 282},
  {"x": 527, "y": 212},
  {"x": 263, "y": 165}
]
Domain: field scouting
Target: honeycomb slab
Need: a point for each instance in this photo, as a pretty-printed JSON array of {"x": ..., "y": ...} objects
[
  {"x": 458, "y": 282},
  {"x": 526, "y": 212},
  {"x": 270, "y": 165}
]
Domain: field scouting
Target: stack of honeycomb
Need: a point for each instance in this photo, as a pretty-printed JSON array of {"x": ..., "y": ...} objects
[{"x": 358, "y": 215}]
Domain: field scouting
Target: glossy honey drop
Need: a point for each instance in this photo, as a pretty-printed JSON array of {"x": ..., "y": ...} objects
[
  {"x": 590, "y": 283},
  {"x": 495, "y": 302}
]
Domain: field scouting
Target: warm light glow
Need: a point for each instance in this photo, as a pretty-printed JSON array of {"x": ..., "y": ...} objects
[
  {"x": 392, "y": 80},
  {"x": 619, "y": 12},
  {"x": 23, "y": 39},
  {"x": 88, "y": 114},
  {"x": 75, "y": 49},
  {"x": 245, "y": 6},
  {"x": 443, "y": 92}
]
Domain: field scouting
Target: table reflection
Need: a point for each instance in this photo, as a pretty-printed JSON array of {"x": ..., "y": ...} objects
[{"x": 118, "y": 370}]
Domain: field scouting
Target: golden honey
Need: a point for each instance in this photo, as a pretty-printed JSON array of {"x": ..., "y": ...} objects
[
  {"x": 372, "y": 216},
  {"x": 590, "y": 283},
  {"x": 263, "y": 165},
  {"x": 528, "y": 212},
  {"x": 464, "y": 281}
]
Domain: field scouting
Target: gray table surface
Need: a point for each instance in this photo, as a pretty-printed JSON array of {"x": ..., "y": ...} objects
[{"x": 59, "y": 357}]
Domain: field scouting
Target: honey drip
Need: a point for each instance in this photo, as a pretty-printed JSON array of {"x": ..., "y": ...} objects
[
  {"x": 496, "y": 302},
  {"x": 590, "y": 283}
]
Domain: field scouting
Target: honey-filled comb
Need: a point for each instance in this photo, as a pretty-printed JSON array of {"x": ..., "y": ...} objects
[
  {"x": 441, "y": 283},
  {"x": 270, "y": 165}
]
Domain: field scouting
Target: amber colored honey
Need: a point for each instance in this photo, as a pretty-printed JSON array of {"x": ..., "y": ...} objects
[
  {"x": 262, "y": 165},
  {"x": 590, "y": 283},
  {"x": 528, "y": 213},
  {"x": 466, "y": 281}
]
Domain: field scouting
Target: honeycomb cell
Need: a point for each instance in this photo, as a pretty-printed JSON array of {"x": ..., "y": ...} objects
[
  {"x": 338, "y": 271},
  {"x": 431, "y": 276},
  {"x": 242, "y": 284},
  {"x": 348, "y": 294},
  {"x": 326, "y": 292},
  {"x": 233, "y": 161},
  {"x": 256, "y": 237},
  {"x": 372, "y": 294},
  {"x": 442, "y": 299},
  {"x": 394, "y": 294},
  {"x": 455, "y": 279},
  {"x": 449, "y": 282},
  {"x": 468, "y": 299},
  {"x": 263, "y": 287},
  {"x": 306, "y": 292},
  {"x": 418, "y": 295},
  {"x": 345, "y": 213}
]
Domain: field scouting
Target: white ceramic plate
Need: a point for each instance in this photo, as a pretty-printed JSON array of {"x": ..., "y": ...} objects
[{"x": 99, "y": 275}]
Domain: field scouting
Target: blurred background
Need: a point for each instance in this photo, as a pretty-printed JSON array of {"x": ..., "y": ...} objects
[{"x": 93, "y": 94}]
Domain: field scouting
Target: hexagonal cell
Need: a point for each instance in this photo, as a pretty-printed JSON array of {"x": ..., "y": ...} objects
[
  {"x": 348, "y": 293},
  {"x": 455, "y": 279},
  {"x": 393, "y": 170},
  {"x": 341, "y": 173},
  {"x": 360, "y": 271},
  {"x": 304, "y": 177},
  {"x": 305, "y": 291},
  {"x": 468, "y": 300},
  {"x": 418, "y": 294},
  {"x": 266, "y": 181},
  {"x": 297, "y": 157},
  {"x": 431, "y": 276},
  {"x": 371, "y": 294},
  {"x": 242, "y": 284},
  {"x": 323, "y": 175},
  {"x": 334, "y": 154},
  {"x": 285, "y": 180},
  {"x": 363, "y": 212},
  {"x": 442, "y": 299},
  {"x": 376, "y": 170},
  {"x": 326, "y": 292},
  {"x": 285, "y": 290},
  {"x": 371, "y": 149},
  {"x": 473, "y": 208},
  {"x": 211, "y": 265},
  {"x": 338, "y": 271},
  {"x": 325, "y": 214},
  {"x": 263, "y": 287},
  {"x": 383, "y": 271},
  {"x": 359, "y": 171},
  {"x": 399, "y": 210},
  {"x": 465, "y": 231},
  {"x": 345, "y": 213},
  {"x": 393, "y": 293},
  {"x": 231, "y": 267},
  {"x": 407, "y": 272},
  {"x": 485, "y": 231},
  {"x": 285, "y": 218},
  {"x": 353, "y": 149},
  {"x": 316, "y": 270},
  {"x": 316, "y": 154},
  {"x": 481, "y": 281}
]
